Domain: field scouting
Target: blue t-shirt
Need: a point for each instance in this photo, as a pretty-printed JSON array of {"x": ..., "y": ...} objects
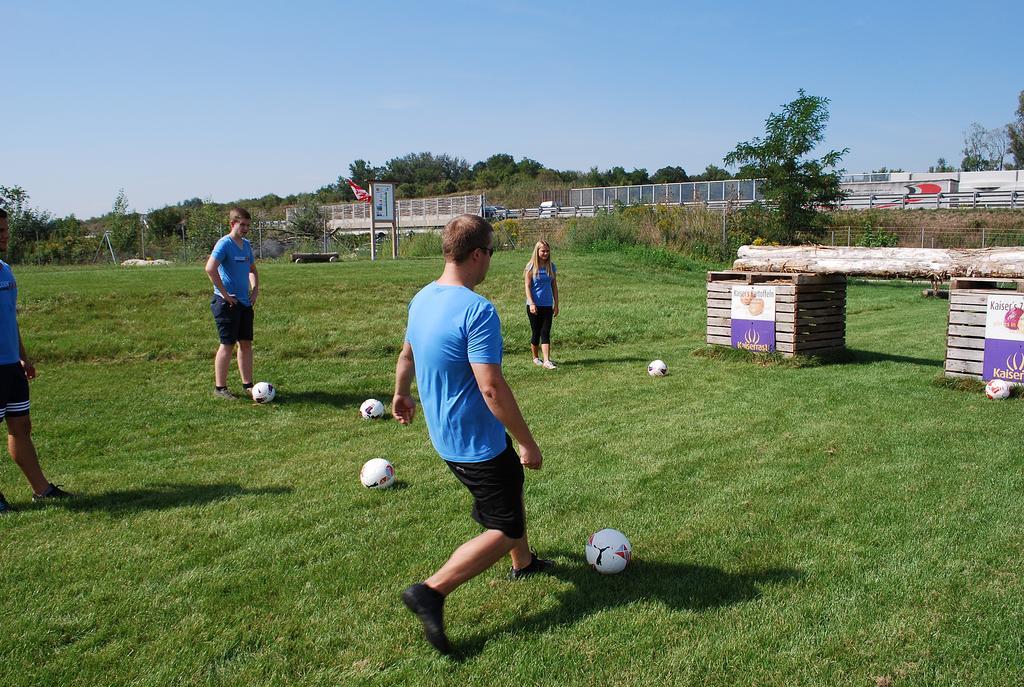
[
  {"x": 540, "y": 286},
  {"x": 234, "y": 267},
  {"x": 449, "y": 328},
  {"x": 9, "y": 349}
]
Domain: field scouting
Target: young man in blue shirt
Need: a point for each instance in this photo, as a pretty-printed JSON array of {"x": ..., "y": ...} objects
[
  {"x": 453, "y": 348},
  {"x": 236, "y": 285},
  {"x": 15, "y": 372}
]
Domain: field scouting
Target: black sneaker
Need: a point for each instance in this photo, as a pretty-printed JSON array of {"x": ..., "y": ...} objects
[
  {"x": 52, "y": 493},
  {"x": 5, "y": 507},
  {"x": 224, "y": 393},
  {"x": 428, "y": 605},
  {"x": 537, "y": 565}
]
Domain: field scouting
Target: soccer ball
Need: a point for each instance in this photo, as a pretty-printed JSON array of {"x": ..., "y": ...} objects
[
  {"x": 657, "y": 368},
  {"x": 263, "y": 392},
  {"x": 371, "y": 409},
  {"x": 608, "y": 551},
  {"x": 997, "y": 389},
  {"x": 377, "y": 473}
]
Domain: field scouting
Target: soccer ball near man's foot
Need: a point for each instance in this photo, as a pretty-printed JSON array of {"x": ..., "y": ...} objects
[
  {"x": 263, "y": 392},
  {"x": 997, "y": 389},
  {"x": 371, "y": 409},
  {"x": 657, "y": 368},
  {"x": 608, "y": 551},
  {"x": 377, "y": 473}
]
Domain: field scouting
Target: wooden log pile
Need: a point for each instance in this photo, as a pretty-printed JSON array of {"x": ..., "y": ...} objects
[{"x": 937, "y": 264}]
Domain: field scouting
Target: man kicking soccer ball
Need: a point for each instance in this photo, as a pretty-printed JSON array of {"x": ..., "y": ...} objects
[
  {"x": 15, "y": 372},
  {"x": 453, "y": 347}
]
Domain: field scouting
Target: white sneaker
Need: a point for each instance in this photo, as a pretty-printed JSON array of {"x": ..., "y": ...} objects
[
  {"x": 538, "y": 361},
  {"x": 548, "y": 365}
]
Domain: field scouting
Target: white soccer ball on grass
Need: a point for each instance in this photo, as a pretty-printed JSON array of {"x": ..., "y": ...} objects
[
  {"x": 371, "y": 409},
  {"x": 377, "y": 473},
  {"x": 998, "y": 389},
  {"x": 657, "y": 368},
  {"x": 608, "y": 551},
  {"x": 263, "y": 392}
]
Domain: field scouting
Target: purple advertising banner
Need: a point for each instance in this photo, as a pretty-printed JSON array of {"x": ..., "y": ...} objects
[
  {"x": 754, "y": 335},
  {"x": 1004, "y": 359},
  {"x": 1004, "y": 338}
]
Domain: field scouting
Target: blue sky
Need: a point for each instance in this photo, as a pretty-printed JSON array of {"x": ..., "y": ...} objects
[{"x": 228, "y": 100}]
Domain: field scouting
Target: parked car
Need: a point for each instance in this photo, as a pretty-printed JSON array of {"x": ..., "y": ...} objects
[
  {"x": 495, "y": 212},
  {"x": 548, "y": 209}
]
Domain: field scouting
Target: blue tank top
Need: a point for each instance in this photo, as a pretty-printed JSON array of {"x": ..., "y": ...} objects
[{"x": 540, "y": 286}]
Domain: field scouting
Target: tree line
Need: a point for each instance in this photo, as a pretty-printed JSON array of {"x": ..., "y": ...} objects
[{"x": 797, "y": 186}]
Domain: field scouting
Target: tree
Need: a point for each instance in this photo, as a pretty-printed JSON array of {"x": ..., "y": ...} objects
[
  {"x": 985, "y": 149},
  {"x": 165, "y": 221},
  {"x": 1015, "y": 134},
  {"x": 941, "y": 166},
  {"x": 27, "y": 225},
  {"x": 795, "y": 183},
  {"x": 716, "y": 173},
  {"x": 669, "y": 175},
  {"x": 123, "y": 224}
]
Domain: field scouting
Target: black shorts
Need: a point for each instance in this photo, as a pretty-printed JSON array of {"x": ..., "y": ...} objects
[
  {"x": 497, "y": 489},
  {"x": 13, "y": 391},
  {"x": 234, "y": 322}
]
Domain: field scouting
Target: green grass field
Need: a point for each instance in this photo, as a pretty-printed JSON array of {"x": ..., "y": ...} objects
[{"x": 838, "y": 524}]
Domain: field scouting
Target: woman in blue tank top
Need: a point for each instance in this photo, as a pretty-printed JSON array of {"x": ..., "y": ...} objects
[{"x": 541, "y": 302}]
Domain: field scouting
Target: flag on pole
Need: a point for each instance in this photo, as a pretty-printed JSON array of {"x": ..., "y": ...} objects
[{"x": 360, "y": 192}]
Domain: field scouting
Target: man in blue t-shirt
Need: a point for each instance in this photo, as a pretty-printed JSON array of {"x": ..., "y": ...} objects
[
  {"x": 15, "y": 372},
  {"x": 453, "y": 349},
  {"x": 232, "y": 269}
]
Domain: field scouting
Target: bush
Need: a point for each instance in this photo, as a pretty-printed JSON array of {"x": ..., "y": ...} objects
[
  {"x": 64, "y": 250},
  {"x": 877, "y": 238},
  {"x": 601, "y": 232},
  {"x": 426, "y": 245}
]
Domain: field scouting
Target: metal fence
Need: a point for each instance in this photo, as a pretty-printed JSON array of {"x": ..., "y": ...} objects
[
  {"x": 416, "y": 212},
  {"x": 945, "y": 201},
  {"x": 733, "y": 190}
]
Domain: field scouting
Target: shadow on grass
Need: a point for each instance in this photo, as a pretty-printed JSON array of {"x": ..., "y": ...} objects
[
  {"x": 858, "y": 357},
  {"x": 680, "y": 587},
  {"x": 161, "y": 497},
  {"x": 324, "y": 398}
]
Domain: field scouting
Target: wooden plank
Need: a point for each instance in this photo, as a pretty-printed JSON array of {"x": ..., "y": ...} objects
[
  {"x": 820, "y": 347},
  {"x": 962, "y": 375},
  {"x": 757, "y": 277},
  {"x": 722, "y": 286},
  {"x": 823, "y": 305},
  {"x": 803, "y": 326},
  {"x": 968, "y": 298},
  {"x": 968, "y": 366},
  {"x": 800, "y": 339},
  {"x": 960, "y": 317},
  {"x": 719, "y": 340},
  {"x": 966, "y": 330},
  {"x": 977, "y": 354},
  {"x": 719, "y": 312},
  {"x": 968, "y": 307},
  {"x": 722, "y": 304},
  {"x": 720, "y": 331},
  {"x": 965, "y": 342},
  {"x": 809, "y": 315},
  {"x": 719, "y": 322},
  {"x": 958, "y": 283}
]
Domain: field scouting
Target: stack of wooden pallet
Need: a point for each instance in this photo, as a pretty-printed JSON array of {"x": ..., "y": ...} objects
[
  {"x": 810, "y": 309},
  {"x": 965, "y": 338}
]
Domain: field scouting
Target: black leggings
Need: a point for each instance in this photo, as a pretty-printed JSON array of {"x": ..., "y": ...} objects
[{"x": 540, "y": 324}]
